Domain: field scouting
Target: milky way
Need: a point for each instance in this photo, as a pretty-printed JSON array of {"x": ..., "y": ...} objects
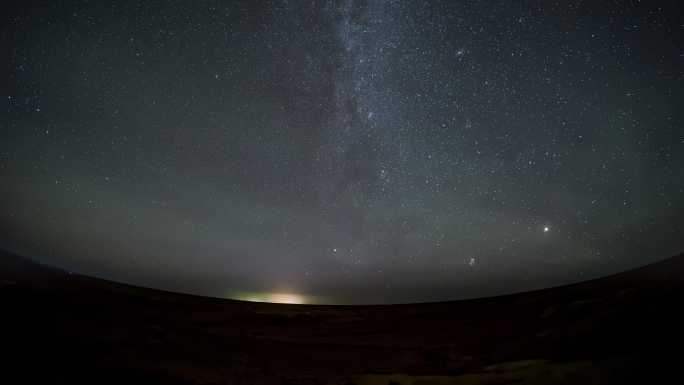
[{"x": 343, "y": 151}]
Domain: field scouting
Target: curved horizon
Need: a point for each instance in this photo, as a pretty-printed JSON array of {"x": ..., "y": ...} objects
[{"x": 304, "y": 299}]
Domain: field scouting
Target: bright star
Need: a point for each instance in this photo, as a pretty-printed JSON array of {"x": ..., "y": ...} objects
[{"x": 547, "y": 229}]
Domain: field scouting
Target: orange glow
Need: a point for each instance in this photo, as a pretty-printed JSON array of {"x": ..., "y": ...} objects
[
  {"x": 285, "y": 298},
  {"x": 273, "y": 298}
]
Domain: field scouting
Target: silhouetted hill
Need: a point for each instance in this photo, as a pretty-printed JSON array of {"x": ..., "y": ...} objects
[
  {"x": 12, "y": 265},
  {"x": 70, "y": 329}
]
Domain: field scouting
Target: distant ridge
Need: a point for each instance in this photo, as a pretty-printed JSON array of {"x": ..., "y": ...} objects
[
  {"x": 13, "y": 263},
  {"x": 624, "y": 328}
]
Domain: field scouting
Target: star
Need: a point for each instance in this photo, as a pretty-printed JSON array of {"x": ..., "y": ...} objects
[{"x": 383, "y": 127}]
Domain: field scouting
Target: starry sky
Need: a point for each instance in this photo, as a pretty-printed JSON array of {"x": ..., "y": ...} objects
[{"x": 343, "y": 151}]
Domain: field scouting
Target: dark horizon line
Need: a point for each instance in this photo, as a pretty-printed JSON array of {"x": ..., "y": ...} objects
[{"x": 31, "y": 260}]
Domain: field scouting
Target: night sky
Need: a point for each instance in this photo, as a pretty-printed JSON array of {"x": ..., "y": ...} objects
[{"x": 343, "y": 151}]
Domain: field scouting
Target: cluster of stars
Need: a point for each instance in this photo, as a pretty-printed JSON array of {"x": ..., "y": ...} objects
[{"x": 404, "y": 151}]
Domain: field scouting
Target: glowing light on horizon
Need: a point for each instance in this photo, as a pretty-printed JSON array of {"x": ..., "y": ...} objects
[{"x": 287, "y": 298}]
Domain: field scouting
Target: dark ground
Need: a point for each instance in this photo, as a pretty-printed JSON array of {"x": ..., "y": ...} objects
[{"x": 59, "y": 328}]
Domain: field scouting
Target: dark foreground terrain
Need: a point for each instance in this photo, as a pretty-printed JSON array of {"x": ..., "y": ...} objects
[{"x": 59, "y": 328}]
